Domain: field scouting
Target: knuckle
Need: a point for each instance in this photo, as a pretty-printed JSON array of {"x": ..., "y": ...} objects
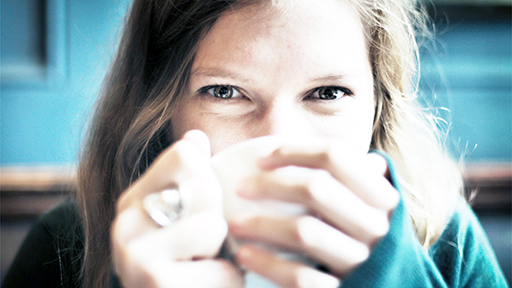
[
  {"x": 217, "y": 226},
  {"x": 314, "y": 189},
  {"x": 306, "y": 277},
  {"x": 389, "y": 198},
  {"x": 301, "y": 279},
  {"x": 377, "y": 227},
  {"x": 361, "y": 252},
  {"x": 326, "y": 155},
  {"x": 377, "y": 163},
  {"x": 305, "y": 231},
  {"x": 333, "y": 153},
  {"x": 382, "y": 226}
]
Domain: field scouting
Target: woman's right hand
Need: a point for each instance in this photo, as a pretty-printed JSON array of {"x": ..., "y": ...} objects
[{"x": 183, "y": 253}]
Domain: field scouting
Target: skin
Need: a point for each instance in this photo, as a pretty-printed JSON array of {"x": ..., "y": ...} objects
[
  {"x": 274, "y": 64},
  {"x": 277, "y": 60}
]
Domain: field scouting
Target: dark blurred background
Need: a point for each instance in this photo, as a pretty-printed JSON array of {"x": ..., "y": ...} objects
[{"x": 54, "y": 55}]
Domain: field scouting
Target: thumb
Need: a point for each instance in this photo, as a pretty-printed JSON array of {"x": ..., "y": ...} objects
[
  {"x": 203, "y": 189},
  {"x": 200, "y": 139}
]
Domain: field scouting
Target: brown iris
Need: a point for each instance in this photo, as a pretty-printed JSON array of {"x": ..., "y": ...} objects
[{"x": 224, "y": 92}]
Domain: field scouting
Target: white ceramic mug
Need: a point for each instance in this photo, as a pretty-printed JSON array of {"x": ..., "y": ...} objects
[{"x": 238, "y": 162}]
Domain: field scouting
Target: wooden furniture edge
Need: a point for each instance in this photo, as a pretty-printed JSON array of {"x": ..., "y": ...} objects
[
  {"x": 28, "y": 192},
  {"x": 43, "y": 178},
  {"x": 51, "y": 178},
  {"x": 31, "y": 191}
]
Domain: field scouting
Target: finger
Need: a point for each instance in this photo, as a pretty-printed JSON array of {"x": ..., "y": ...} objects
[
  {"x": 325, "y": 197},
  {"x": 183, "y": 160},
  {"x": 378, "y": 163},
  {"x": 201, "y": 236},
  {"x": 175, "y": 165},
  {"x": 185, "y": 166},
  {"x": 202, "y": 273},
  {"x": 183, "y": 240},
  {"x": 282, "y": 272},
  {"x": 305, "y": 234},
  {"x": 200, "y": 139},
  {"x": 129, "y": 224},
  {"x": 352, "y": 170}
]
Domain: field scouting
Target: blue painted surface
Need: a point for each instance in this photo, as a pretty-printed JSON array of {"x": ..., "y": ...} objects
[
  {"x": 472, "y": 76},
  {"x": 22, "y": 47},
  {"x": 42, "y": 121}
]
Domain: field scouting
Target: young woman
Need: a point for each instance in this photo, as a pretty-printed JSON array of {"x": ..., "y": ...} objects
[{"x": 336, "y": 74}]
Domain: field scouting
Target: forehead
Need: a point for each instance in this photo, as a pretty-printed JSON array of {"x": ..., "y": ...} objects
[{"x": 308, "y": 32}]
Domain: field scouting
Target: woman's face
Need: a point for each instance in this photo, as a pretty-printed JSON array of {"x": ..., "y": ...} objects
[{"x": 303, "y": 71}]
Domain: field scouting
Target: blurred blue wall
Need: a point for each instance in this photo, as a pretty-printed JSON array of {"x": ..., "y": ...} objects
[
  {"x": 54, "y": 56},
  {"x": 469, "y": 70},
  {"x": 55, "y": 53}
]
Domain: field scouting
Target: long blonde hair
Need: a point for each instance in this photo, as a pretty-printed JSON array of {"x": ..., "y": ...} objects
[
  {"x": 431, "y": 180},
  {"x": 132, "y": 124}
]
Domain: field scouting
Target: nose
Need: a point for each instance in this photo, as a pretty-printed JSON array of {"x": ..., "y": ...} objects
[{"x": 283, "y": 118}]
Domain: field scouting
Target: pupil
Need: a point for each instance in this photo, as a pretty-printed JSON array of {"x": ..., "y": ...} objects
[
  {"x": 327, "y": 93},
  {"x": 223, "y": 92}
]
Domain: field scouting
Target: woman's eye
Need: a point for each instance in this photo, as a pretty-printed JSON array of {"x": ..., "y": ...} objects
[
  {"x": 221, "y": 91},
  {"x": 330, "y": 93}
]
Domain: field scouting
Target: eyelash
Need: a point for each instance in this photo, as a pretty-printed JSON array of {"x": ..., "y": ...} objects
[
  {"x": 233, "y": 89},
  {"x": 345, "y": 91},
  {"x": 204, "y": 90}
]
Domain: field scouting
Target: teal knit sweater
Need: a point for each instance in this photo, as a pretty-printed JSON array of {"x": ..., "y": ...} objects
[{"x": 461, "y": 257}]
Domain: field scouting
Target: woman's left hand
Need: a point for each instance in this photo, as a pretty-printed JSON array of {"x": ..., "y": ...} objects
[{"x": 349, "y": 201}]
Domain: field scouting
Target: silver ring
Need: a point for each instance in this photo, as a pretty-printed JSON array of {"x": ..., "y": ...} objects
[{"x": 164, "y": 207}]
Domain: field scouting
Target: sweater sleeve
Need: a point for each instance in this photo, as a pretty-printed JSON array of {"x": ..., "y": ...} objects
[
  {"x": 49, "y": 256},
  {"x": 461, "y": 257},
  {"x": 464, "y": 255}
]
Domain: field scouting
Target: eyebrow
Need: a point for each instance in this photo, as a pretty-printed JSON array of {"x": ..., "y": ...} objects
[
  {"x": 329, "y": 77},
  {"x": 218, "y": 73},
  {"x": 226, "y": 74}
]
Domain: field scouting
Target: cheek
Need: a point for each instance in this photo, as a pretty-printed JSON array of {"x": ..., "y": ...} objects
[
  {"x": 184, "y": 118},
  {"x": 352, "y": 128},
  {"x": 365, "y": 131},
  {"x": 223, "y": 132},
  {"x": 179, "y": 123}
]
